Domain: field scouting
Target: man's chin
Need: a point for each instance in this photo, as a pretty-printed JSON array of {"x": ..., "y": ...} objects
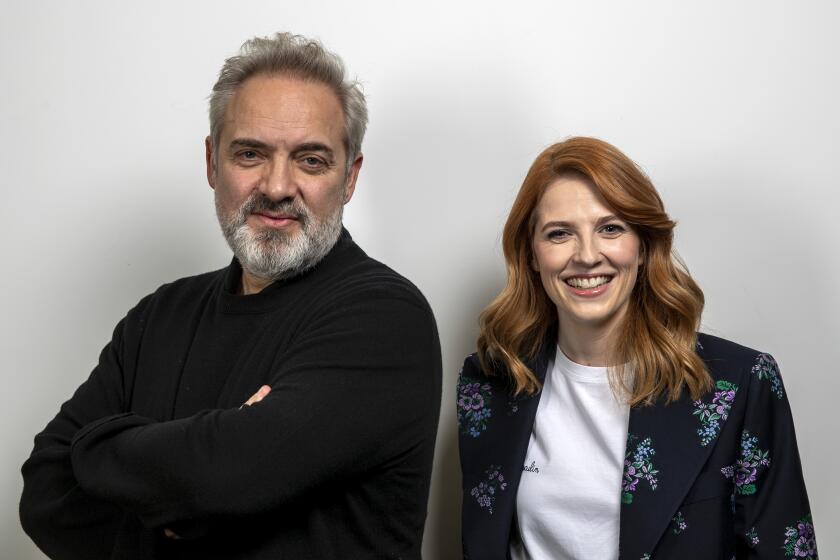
[{"x": 268, "y": 235}]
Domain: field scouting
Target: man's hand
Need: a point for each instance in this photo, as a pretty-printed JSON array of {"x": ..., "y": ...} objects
[
  {"x": 258, "y": 396},
  {"x": 255, "y": 398}
]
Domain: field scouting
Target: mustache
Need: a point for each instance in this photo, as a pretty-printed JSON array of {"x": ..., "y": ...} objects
[{"x": 258, "y": 202}]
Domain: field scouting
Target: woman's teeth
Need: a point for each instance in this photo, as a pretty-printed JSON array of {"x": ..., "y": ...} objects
[{"x": 587, "y": 283}]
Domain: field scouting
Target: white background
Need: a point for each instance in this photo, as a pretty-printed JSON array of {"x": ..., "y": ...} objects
[{"x": 731, "y": 107}]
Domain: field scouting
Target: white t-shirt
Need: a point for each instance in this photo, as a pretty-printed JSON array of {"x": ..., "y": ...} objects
[{"x": 569, "y": 496}]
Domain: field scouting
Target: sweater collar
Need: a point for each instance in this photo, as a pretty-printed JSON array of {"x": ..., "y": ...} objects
[{"x": 232, "y": 302}]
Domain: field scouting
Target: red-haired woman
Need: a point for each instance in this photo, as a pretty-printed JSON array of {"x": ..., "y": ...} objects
[{"x": 595, "y": 422}]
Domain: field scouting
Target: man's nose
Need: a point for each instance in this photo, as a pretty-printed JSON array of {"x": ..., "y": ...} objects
[{"x": 280, "y": 181}]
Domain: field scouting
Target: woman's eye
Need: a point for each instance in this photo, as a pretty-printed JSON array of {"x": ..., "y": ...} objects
[
  {"x": 613, "y": 229},
  {"x": 557, "y": 235}
]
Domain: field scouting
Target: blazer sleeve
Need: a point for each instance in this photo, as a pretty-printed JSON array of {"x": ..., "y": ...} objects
[
  {"x": 772, "y": 514},
  {"x": 65, "y": 521},
  {"x": 360, "y": 390}
]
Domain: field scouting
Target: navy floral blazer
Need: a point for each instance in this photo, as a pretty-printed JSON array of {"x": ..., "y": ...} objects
[{"x": 714, "y": 478}]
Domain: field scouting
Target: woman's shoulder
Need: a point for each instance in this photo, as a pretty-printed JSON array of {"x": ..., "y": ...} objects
[
  {"x": 473, "y": 371},
  {"x": 473, "y": 367},
  {"x": 727, "y": 360},
  {"x": 716, "y": 352}
]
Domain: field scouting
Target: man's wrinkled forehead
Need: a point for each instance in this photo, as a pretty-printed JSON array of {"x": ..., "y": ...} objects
[{"x": 284, "y": 108}]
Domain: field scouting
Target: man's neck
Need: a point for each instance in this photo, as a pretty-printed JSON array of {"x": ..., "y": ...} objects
[{"x": 251, "y": 284}]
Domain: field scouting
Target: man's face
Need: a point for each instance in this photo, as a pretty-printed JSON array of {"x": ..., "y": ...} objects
[{"x": 280, "y": 174}]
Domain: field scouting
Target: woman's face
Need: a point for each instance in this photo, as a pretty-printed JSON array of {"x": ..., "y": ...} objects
[{"x": 588, "y": 258}]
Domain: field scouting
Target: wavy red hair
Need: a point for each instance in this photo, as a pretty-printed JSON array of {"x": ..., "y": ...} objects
[{"x": 657, "y": 339}]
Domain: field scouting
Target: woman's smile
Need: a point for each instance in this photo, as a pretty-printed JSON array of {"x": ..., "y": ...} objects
[
  {"x": 588, "y": 286},
  {"x": 587, "y": 257}
]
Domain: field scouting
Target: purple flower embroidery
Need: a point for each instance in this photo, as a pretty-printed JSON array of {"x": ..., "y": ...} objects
[
  {"x": 800, "y": 541},
  {"x": 638, "y": 465},
  {"x": 712, "y": 414},
  {"x": 766, "y": 368},
  {"x": 746, "y": 469},
  {"x": 679, "y": 524},
  {"x": 473, "y": 410},
  {"x": 752, "y": 538},
  {"x": 485, "y": 492}
]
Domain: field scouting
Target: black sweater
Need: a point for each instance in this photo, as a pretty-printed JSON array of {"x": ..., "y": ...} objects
[{"x": 334, "y": 463}]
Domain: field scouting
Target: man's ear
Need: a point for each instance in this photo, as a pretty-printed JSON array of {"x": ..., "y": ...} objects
[
  {"x": 211, "y": 162},
  {"x": 352, "y": 176}
]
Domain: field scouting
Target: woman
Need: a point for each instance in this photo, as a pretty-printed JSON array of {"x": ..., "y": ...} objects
[{"x": 594, "y": 421}]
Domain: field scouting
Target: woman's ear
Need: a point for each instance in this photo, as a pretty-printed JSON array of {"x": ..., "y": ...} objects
[{"x": 535, "y": 265}]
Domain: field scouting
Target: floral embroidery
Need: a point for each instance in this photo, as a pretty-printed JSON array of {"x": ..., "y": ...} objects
[
  {"x": 752, "y": 538},
  {"x": 746, "y": 469},
  {"x": 679, "y": 523},
  {"x": 712, "y": 414},
  {"x": 638, "y": 466},
  {"x": 800, "y": 541},
  {"x": 473, "y": 409},
  {"x": 766, "y": 368},
  {"x": 512, "y": 407},
  {"x": 485, "y": 492}
]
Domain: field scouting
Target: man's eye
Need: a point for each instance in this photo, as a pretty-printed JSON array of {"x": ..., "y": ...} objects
[
  {"x": 312, "y": 161},
  {"x": 247, "y": 155}
]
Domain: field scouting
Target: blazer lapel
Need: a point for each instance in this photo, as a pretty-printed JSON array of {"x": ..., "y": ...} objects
[
  {"x": 666, "y": 449},
  {"x": 507, "y": 446}
]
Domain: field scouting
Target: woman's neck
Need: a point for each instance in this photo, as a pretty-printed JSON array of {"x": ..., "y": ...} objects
[{"x": 586, "y": 345}]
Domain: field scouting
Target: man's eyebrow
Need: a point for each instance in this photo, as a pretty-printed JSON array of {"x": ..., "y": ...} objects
[
  {"x": 248, "y": 143},
  {"x": 315, "y": 147}
]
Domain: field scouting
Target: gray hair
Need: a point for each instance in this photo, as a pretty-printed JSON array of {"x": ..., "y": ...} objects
[{"x": 295, "y": 56}]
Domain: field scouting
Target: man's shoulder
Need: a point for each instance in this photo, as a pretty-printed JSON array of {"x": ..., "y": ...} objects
[
  {"x": 187, "y": 290},
  {"x": 191, "y": 285},
  {"x": 369, "y": 278}
]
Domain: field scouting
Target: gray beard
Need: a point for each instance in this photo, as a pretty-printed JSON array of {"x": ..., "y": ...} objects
[{"x": 272, "y": 254}]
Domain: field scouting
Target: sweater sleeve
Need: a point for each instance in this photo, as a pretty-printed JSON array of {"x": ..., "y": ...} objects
[
  {"x": 773, "y": 518},
  {"x": 65, "y": 521},
  {"x": 358, "y": 391}
]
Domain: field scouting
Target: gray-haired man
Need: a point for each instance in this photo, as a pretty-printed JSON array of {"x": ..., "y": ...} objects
[{"x": 154, "y": 456}]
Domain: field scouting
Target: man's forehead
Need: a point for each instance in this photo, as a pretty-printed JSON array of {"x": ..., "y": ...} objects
[{"x": 284, "y": 109}]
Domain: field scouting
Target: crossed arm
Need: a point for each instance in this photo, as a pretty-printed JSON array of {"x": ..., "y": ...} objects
[{"x": 360, "y": 388}]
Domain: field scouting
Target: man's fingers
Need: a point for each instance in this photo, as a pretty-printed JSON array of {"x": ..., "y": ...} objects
[{"x": 258, "y": 396}]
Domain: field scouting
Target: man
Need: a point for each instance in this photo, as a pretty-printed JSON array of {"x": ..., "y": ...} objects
[{"x": 156, "y": 456}]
